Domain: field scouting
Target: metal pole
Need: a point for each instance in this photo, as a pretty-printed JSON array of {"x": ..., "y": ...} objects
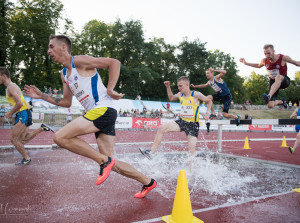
[{"x": 219, "y": 138}]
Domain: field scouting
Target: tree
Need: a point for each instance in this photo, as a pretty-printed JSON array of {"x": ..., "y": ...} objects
[
  {"x": 297, "y": 75},
  {"x": 31, "y": 26},
  {"x": 256, "y": 85}
]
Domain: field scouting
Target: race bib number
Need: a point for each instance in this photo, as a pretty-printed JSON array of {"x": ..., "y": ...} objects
[
  {"x": 186, "y": 111},
  {"x": 273, "y": 72},
  {"x": 80, "y": 94}
]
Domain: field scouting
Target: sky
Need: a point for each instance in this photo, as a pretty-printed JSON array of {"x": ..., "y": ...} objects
[{"x": 237, "y": 27}]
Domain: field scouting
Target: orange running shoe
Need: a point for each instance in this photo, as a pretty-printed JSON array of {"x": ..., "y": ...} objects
[
  {"x": 105, "y": 169},
  {"x": 146, "y": 189}
]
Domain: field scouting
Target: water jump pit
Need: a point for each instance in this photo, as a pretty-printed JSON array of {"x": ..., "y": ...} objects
[{"x": 216, "y": 179}]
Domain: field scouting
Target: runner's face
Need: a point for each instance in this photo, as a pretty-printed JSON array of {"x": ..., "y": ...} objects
[
  {"x": 269, "y": 53},
  {"x": 182, "y": 86},
  {"x": 209, "y": 74},
  {"x": 55, "y": 50},
  {"x": 1, "y": 78}
]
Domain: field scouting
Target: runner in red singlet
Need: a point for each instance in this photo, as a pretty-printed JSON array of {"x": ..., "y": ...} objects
[{"x": 277, "y": 71}]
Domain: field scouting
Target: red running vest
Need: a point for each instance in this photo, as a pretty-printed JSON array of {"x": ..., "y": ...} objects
[{"x": 275, "y": 68}]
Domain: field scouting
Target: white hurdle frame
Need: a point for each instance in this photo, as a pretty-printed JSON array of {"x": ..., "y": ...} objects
[{"x": 220, "y": 123}]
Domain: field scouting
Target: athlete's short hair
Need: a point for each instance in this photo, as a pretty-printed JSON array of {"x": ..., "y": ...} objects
[
  {"x": 64, "y": 39},
  {"x": 267, "y": 46},
  {"x": 183, "y": 78},
  {"x": 4, "y": 70}
]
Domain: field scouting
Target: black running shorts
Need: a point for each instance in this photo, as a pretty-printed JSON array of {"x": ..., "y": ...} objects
[
  {"x": 284, "y": 84},
  {"x": 104, "y": 119},
  {"x": 190, "y": 128}
]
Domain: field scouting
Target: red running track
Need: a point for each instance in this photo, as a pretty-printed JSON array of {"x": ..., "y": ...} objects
[{"x": 59, "y": 186}]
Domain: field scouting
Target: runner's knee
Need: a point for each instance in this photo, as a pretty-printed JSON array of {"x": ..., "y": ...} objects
[{"x": 58, "y": 139}]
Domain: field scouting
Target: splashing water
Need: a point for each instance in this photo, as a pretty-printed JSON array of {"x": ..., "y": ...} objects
[{"x": 216, "y": 178}]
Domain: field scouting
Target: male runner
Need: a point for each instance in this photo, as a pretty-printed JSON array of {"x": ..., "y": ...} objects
[
  {"x": 296, "y": 113},
  {"x": 189, "y": 116},
  {"x": 222, "y": 93},
  {"x": 20, "y": 134},
  {"x": 277, "y": 71},
  {"x": 80, "y": 78}
]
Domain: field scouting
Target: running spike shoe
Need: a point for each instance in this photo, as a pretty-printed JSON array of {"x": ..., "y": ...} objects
[
  {"x": 292, "y": 150},
  {"x": 238, "y": 120},
  {"x": 147, "y": 153},
  {"x": 47, "y": 127},
  {"x": 146, "y": 189},
  {"x": 23, "y": 162},
  {"x": 105, "y": 169},
  {"x": 284, "y": 103},
  {"x": 212, "y": 116},
  {"x": 266, "y": 98}
]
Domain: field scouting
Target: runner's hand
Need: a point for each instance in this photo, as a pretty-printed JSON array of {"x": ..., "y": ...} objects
[
  {"x": 206, "y": 116},
  {"x": 167, "y": 83},
  {"x": 32, "y": 91},
  {"x": 242, "y": 60},
  {"x": 8, "y": 115},
  {"x": 193, "y": 86},
  {"x": 115, "y": 95}
]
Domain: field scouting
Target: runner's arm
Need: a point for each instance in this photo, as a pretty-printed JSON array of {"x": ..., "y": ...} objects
[
  {"x": 294, "y": 114},
  {"x": 113, "y": 66},
  {"x": 171, "y": 96},
  {"x": 13, "y": 92},
  {"x": 221, "y": 74},
  {"x": 200, "y": 85},
  {"x": 255, "y": 65},
  {"x": 205, "y": 99},
  {"x": 66, "y": 101},
  {"x": 290, "y": 60}
]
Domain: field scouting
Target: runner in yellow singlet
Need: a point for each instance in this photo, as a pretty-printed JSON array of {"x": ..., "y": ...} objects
[
  {"x": 20, "y": 134},
  {"x": 189, "y": 116}
]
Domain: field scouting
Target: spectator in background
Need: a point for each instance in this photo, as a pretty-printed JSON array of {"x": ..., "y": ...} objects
[
  {"x": 168, "y": 106},
  {"x": 138, "y": 97},
  {"x": 295, "y": 104},
  {"x": 59, "y": 92},
  {"x": 69, "y": 115},
  {"x": 3, "y": 110},
  {"x": 290, "y": 105},
  {"x": 55, "y": 92},
  {"x": 50, "y": 91},
  {"x": 231, "y": 104}
]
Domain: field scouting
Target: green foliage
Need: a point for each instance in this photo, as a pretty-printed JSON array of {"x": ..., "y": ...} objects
[
  {"x": 145, "y": 64},
  {"x": 256, "y": 85},
  {"x": 297, "y": 75}
]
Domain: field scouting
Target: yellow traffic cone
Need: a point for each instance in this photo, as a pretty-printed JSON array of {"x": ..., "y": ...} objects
[
  {"x": 182, "y": 208},
  {"x": 246, "y": 145},
  {"x": 283, "y": 144},
  {"x": 296, "y": 190}
]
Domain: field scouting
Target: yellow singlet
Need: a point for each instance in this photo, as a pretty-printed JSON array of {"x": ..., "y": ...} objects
[
  {"x": 11, "y": 101},
  {"x": 189, "y": 110}
]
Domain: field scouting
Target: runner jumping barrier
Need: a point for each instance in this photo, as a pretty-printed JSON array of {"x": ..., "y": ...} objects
[{"x": 220, "y": 123}]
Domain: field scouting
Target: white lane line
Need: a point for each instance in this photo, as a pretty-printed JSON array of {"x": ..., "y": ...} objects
[{"x": 222, "y": 206}]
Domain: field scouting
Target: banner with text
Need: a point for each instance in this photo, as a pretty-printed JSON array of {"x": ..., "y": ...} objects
[{"x": 138, "y": 123}]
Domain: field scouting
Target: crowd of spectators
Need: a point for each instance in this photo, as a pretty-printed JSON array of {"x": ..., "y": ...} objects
[
  {"x": 137, "y": 113},
  {"x": 53, "y": 92}
]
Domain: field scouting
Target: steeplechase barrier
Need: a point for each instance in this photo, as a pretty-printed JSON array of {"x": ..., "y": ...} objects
[{"x": 220, "y": 123}]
